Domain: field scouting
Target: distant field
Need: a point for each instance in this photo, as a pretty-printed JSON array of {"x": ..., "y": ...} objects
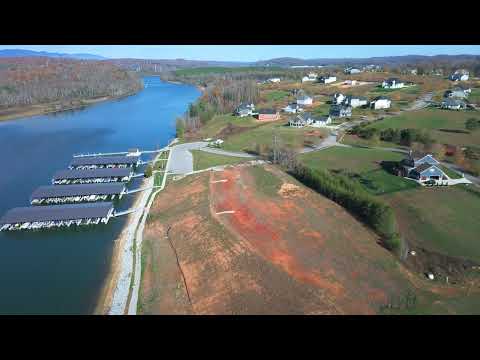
[
  {"x": 354, "y": 159},
  {"x": 218, "y": 122},
  {"x": 204, "y": 160},
  {"x": 365, "y": 163},
  {"x": 223, "y": 70},
  {"x": 276, "y": 95},
  {"x": 439, "y": 122},
  {"x": 446, "y": 220},
  {"x": 263, "y": 136}
]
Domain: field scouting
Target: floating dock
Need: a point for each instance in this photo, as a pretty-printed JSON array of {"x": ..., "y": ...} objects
[
  {"x": 94, "y": 176},
  {"x": 53, "y": 194},
  {"x": 41, "y": 217},
  {"x": 100, "y": 162}
]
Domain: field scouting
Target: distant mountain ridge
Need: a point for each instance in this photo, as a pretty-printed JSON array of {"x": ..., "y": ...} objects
[
  {"x": 32, "y": 53},
  {"x": 391, "y": 60}
]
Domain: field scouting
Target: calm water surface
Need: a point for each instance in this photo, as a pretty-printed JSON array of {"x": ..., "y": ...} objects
[{"x": 62, "y": 271}]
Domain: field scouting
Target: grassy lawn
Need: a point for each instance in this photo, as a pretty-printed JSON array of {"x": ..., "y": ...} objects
[
  {"x": 446, "y": 220},
  {"x": 276, "y": 95},
  {"x": 218, "y": 122},
  {"x": 204, "y": 160},
  {"x": 354, "y": 159},
  {"x": 365, "y": 163},
  {"x": 474, "y": 96},
  {"x": 263, "y": 136},
  {"x": 439, "y": 122},
  {"x": 450, "y": 173},
  {"x": 266, "y": 182}
]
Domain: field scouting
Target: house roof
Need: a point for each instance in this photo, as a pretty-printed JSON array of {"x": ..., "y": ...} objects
[
  {"x": 426, "y": 158},
  {"x": 381, "y": 98},
  {"x": 422, "y": 167},
  {"x": 303, "y": 97},
  {"x": 267, "y": 111},
  {"x": 453, "y": 102}
]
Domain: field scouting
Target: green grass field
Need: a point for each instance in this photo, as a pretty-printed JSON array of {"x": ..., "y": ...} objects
[
  {"x": 439, "y": 122},
  {"x": 276, "y": 95},
  {"x": 218, "y": 122},
  {"x": 446, "y": 220},
  {"x": 365, "y": 163},
  {"x": 263, "y": 136},
  {"x": 204, "y": 160}
]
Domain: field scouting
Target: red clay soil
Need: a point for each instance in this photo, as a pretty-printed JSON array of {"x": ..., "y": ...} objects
[{"x": 311, "y": 239}]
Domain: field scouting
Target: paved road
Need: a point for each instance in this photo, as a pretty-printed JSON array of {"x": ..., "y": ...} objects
[
  {"x": 329, "y": 141},
  {"x": 181, "y": 161}
]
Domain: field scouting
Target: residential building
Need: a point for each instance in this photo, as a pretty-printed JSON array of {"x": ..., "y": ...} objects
[
  {"x": 423, "y": 169},
  {"x": 327, "y": 79},
  {"x": 304, "y": 99},
  {"x": 245, "y": 109},
  {"x": 458, "y": 93},
  {"x": 268, "y": 115},
  {"x": 293, "y": 108},
  {"x": 393, "y": 83},
  {"x": 310, "y": 77},
  {"x": 274, "y": 80},
  {"x": 338, "y": 98},
  {"x": 352, "y": 70},
  {"x": 308, "y": 119},
  {"x": 460, "y": 75},
  {"x": 340, "y": 111},
  {"x": 380, "y": 102},
  {"x": 355, "y": 101},
  {"x": 350, "y": 82},
  {"x": 453, "y": 104}
]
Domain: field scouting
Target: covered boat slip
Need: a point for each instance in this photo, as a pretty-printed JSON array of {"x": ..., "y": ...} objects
[
  {"x": 38, "y": 217},
  {"x": 94, "y": 176},
  {"x": 51, "y": 194},
  {"x": 102, "y": 162}
]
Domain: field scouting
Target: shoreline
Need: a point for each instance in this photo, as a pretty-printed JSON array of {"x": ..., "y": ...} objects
[
  {"x": 43, "y": 109},
  {"x": 124, "y": 251},
  {"x": 105, "y": 298}
]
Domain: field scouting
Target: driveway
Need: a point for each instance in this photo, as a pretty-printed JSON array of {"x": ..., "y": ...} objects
[
  {"x": 181, "y": 161},
  {"x": 227, "y": 153}
]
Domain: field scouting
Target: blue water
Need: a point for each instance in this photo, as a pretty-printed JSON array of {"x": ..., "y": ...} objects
[{"x": 62, "y": 271}]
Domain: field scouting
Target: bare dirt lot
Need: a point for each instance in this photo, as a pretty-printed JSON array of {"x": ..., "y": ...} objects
[{"x": 283, "y": 250}]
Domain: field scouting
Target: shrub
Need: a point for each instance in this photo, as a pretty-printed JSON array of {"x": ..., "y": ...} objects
[
  {"x": 349, "y": 194},
  {"x": 472, "y": 124},
  {"x": 148, "y": 171}
]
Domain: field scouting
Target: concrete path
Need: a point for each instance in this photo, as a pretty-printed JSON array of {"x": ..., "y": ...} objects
[
  {"x": 330, "y": 141},
  {"x": 181, "y": 161},
  {"x": 227, "y": 153}
]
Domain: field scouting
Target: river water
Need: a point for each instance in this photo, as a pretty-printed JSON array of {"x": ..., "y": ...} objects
[{"x": 62, "y": 271}]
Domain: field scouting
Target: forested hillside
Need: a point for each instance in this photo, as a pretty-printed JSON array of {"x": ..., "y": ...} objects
[{"x": 40, "y": 80}]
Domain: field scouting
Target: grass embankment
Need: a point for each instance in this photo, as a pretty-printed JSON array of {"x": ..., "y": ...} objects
[
  {"x": 446, "y": 126},
  {"x": 446, "y": 220},
  {"x": 203, "y": 160},
  {"x": 363, "y": 164}
]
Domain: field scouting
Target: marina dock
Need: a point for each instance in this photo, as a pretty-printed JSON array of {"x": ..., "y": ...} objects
[{"x": 83, "y": 194}]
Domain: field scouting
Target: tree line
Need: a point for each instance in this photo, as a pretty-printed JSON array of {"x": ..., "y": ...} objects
[{"x": 31, "y": 81}]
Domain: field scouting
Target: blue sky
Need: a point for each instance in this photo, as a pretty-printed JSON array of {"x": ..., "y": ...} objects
[{"x": 251, "y": 52}]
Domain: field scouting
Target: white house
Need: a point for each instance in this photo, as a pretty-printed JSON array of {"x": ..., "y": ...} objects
[
  {"x": 338, "y": 98},
  {"x": 327, "y": 79},
  {"x": 274, "y": 80},
  {"x": 352, "y": 70},
  {"x": 458, "y": 93},
  {"x": 304, "y": 99},
  {"x": 381, "y": 102},
  {"x": 245, "y": 109},
  {"x": 460, "y": 75},
  {"x": 355, "y": 101},
  {"x": 310, "y": 77},
  {"x": 307, "y": 119},
  {"x": 453, "y": 104},
  {"x": 350, "y": 82},
  {"x": 393, "y": 83},
  {"x": 293, "y": 108}
]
